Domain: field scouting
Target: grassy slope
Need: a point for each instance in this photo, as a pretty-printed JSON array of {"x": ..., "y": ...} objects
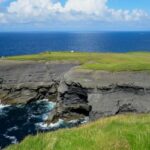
[
  {"x": 116, "y": 133},
  {"x": 125, "y": 132},
  {"x": 138, "y": 61}
]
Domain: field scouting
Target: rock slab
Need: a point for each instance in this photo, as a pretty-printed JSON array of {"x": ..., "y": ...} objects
[{"x": 78, "y": 92}]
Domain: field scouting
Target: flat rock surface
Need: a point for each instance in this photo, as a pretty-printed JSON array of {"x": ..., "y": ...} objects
[
  {"x": 18, "y": 72},
  {"x": 23, "y": 81},
  {"x": 96, "y": 79}
]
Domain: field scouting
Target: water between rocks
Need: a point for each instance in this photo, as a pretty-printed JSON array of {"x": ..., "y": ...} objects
[{"x": 18, "y": 121}]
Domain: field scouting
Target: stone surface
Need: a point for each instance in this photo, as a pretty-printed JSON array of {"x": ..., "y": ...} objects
[
  {"x": 77, "y": 92},
  {"x": 24, "y": 81},
  {"x": 112, "y": 93},
  {"x": 72, "y": 99}
]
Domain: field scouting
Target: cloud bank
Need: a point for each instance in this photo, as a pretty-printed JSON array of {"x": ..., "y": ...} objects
[{"x": 41, "y": 11}]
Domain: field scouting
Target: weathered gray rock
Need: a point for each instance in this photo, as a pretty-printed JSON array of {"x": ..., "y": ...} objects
[
  {"x": 72, "y": 100},
  {"x": 24, "y": 81},
  {"x": 113, "y": 93},
  {"x": 77, "y": 92}
]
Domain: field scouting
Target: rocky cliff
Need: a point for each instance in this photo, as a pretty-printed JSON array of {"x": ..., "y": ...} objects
[
  {"x": 21, "y": 82},
  {"x": 77, "y": 92}
]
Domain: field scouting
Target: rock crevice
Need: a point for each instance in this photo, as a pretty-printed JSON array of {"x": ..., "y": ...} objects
[{"x": 77, "y": 93}]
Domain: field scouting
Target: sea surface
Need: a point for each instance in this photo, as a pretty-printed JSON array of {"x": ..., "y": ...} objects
[
  {"x": 35, "y": 42},
  {"x": 19, "y": 121}
]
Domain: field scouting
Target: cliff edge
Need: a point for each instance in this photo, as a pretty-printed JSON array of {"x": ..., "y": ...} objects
[{"x": 78, "y": 92}]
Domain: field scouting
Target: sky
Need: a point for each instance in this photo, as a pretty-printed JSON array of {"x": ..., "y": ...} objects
[{"x": 74, "y": 15}]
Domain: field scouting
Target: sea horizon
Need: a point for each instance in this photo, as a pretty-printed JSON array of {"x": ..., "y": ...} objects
[
  {"x": 70, "y": 31},
  {"x": 32, "y": 42}
]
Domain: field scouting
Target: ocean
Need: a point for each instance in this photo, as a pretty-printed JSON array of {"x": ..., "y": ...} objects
[
  {"x": 36, "y": 42},
  {"x": 19, "y": 121}
]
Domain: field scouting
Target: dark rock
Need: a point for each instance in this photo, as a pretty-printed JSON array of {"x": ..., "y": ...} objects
[
  {"x": 78, "y": 108},
  {"x": 77, "y": 92},
  {"x": 113, "y": 93},
  {"x": 72, "y": 94},
  {"x": 72, "y": 99},
  {"x": 24, "y": 81}
]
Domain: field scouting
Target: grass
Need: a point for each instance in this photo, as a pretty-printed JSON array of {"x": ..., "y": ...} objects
[
  {"x": 124, "y": 132},
  {"x": 135, "y": 61}
]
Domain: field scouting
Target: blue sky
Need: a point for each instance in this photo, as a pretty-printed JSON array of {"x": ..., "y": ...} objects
[
  {"x": 130, "y": 4},
  {"x": 127, "y": 4},
  {"x": 66, "y": 15}
]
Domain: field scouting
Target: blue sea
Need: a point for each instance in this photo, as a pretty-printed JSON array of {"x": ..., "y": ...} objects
[
  {"x": 19, "y": 121},
  {"x": 35, "y": 42}
]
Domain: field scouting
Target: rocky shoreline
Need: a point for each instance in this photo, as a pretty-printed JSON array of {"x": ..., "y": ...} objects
[{"x": 78, "y": 93}]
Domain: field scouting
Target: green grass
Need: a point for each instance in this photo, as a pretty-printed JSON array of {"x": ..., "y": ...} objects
[
  {"x": 135, "y": 61},
  {"x": 125, "y": 132}
]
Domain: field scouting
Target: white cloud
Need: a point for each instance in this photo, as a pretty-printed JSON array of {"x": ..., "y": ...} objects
[
  {"x": 96, "y": 7},
  {"x": 2, "y": 18},
  {"x": 126, "y": 15},
  {"x": 33, "y": 8},
  {"x": 24, "y": 11}
]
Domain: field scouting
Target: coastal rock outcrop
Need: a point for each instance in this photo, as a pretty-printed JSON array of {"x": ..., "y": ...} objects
[
  {"x": 111, "y": 93},
  {"x": 77, "y": 92},
  {"x": 24, "y": 81},
  {"x": 72, "y": 100}
]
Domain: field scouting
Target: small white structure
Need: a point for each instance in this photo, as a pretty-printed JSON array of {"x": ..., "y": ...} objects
[{"x": 72, "y": 51}]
